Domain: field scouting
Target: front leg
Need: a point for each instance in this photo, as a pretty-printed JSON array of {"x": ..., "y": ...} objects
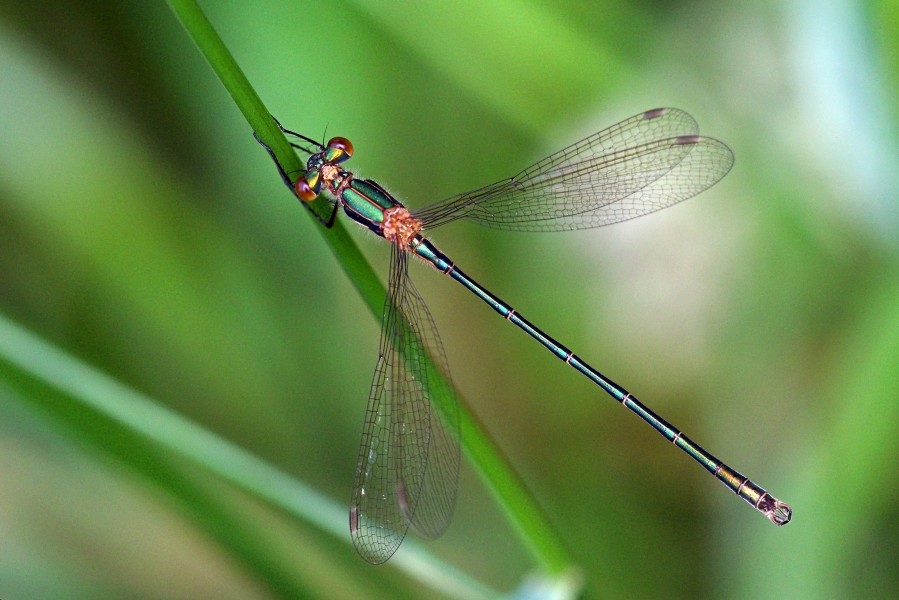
[{"x": 271, "y": 153}]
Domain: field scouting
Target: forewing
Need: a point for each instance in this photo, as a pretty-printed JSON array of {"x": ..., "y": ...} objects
[
  {"x": 638, "y": 166},
  {"x": 408, "y": 466}
]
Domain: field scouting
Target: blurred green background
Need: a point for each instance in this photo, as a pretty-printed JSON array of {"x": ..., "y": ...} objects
[{"x": 144, "y": 231}]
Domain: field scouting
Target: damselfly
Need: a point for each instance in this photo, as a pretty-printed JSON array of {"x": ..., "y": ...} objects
[{"x": 408, "y": 464}]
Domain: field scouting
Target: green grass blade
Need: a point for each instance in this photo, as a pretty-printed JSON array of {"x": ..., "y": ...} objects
[{"x": 519, "y": 506}]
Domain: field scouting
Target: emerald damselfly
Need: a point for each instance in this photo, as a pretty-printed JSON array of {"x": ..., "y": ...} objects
[{"x": 408, "y": 462}]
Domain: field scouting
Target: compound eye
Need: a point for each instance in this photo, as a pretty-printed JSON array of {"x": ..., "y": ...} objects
[
  {"x": 342, "y": 144},
  {"x": 304, "y": 190}
]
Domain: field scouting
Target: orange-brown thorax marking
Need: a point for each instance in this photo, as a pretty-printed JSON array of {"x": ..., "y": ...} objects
[
  {"x": 329, "y": 172},
  {"x": 399, "y": 226}
]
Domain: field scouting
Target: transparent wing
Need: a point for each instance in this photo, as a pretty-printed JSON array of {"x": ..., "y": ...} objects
[
  {"x": 641, "y": 165},
  {"x": 408, "y": 466}
]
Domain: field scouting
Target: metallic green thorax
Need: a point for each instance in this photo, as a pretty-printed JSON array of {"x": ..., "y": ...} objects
[
  {"x": 364, "y": 201},
  {"x": 368, "y": 199}
]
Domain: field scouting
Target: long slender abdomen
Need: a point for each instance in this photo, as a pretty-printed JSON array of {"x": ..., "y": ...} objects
[{"x": 774, "y": 510}]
